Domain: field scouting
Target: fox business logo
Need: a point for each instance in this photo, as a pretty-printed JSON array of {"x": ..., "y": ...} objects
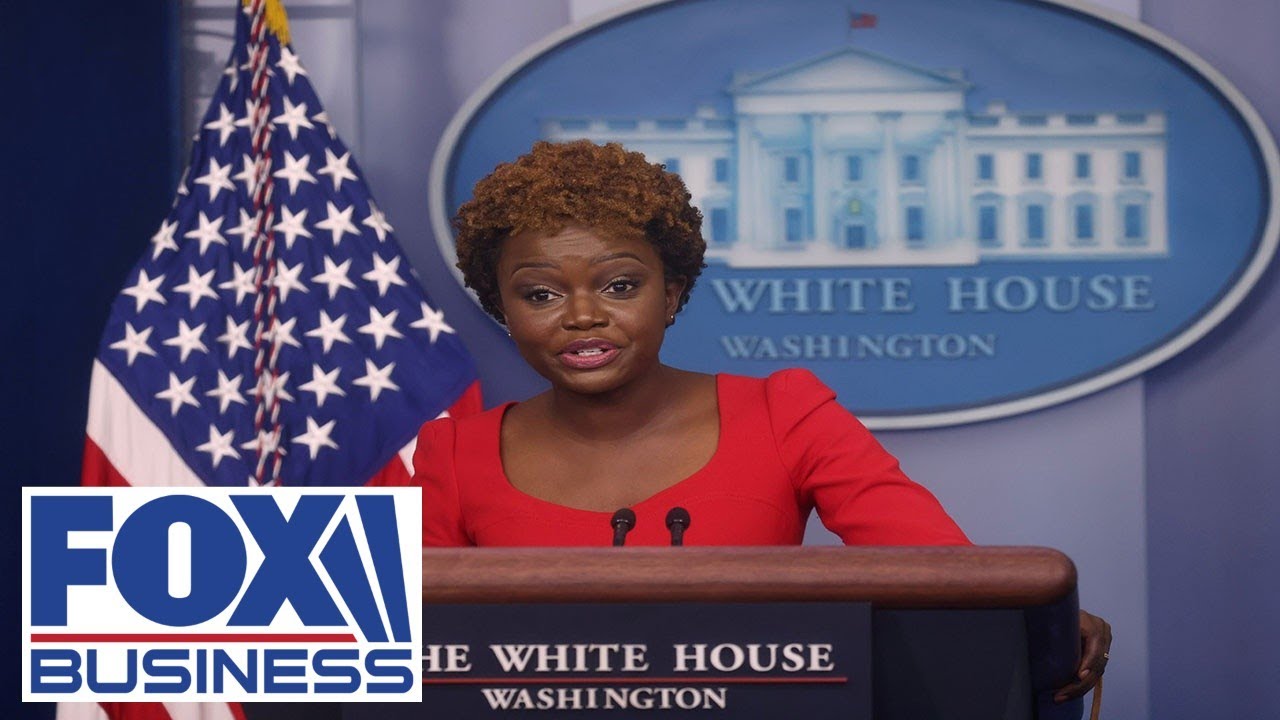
[{"x": 166, "y": 594}]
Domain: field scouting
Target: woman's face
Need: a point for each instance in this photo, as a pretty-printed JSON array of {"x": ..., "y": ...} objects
[{"x": 588, "y": 311}]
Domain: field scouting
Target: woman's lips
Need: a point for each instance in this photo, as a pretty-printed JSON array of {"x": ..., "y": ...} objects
[{"x": 588, "y": 354}]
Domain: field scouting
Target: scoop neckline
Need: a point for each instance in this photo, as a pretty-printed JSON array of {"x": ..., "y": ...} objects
[{"x": 505, "y": 481}]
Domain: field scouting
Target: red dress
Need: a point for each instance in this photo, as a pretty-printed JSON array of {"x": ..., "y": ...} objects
[{"x": 785, "y": 447}]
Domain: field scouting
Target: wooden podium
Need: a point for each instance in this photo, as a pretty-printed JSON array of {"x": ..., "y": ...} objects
[{"x": 956, "y": 633}]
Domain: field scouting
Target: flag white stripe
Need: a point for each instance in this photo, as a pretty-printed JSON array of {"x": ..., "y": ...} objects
[
  {"x": 81, "y": 711},
  {"x": 199, "y": 711},
  {"x": 134, "y": 445},
  {"x": 406, "y": 455}
]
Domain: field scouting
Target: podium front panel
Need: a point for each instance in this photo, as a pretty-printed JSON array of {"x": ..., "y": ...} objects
[{"x": 727, "y": 660}]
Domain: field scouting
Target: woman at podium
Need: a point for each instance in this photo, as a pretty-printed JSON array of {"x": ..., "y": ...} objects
[{"x": 587, "y": 254}]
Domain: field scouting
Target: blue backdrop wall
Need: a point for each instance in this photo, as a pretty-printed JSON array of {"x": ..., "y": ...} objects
[
  {"x": 90, "y": 145},
  {"x": 1163, "y": 489}
]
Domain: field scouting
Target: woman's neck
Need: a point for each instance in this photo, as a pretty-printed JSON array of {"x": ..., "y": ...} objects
[{"x": 620, "y": 413}]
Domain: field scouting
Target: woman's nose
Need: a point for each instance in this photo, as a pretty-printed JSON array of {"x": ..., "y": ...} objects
[{"x": 584, "y": 310}]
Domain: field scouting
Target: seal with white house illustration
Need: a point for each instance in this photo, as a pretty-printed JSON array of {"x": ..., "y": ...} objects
[{"x": 949, "y": 210}]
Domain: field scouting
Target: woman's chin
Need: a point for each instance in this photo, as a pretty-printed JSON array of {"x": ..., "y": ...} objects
[
  {"x": 588, "y": 382},
  {"x": 592, "y": 381}
]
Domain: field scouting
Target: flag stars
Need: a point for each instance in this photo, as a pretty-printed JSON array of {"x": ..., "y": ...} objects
[
  {"x": 227, "y": 392},
  {"x": 217, "y": 179},
  {"x": 248, "y": 175},
  {"x": 208, "y": 232},
  {"x": 322, "y": 117},
  {"x": 231, "y": 72},
  {"x": 338, "y": 222},
  {"x": 278, "y": 284},
  {"x": 295, "y": 170},
  {"x": 380, "y": 326},
  {"x": 235, "y": 337},
  {"x": 187, "y": 340},
  {"x": 272, "y": 388},
  {"x": 291, "y": 225},
  {"x": 289, "y": 63},
  {"x": 145, "y": 290},
  {"x": 293, "y": 117},
  {"x": 178, "y": 394},
  {"x": 244, "y": 282},
  {"x": 335, "y": 276},
  {"x": 336, "y": 168},
  {"x": 163, "y": 239},
  {"x": 317, "y": 436},
  {"x": 247, "y": 229},
  {"x": 134, "y": 343},
  {"x": 286, "y": 280},
  {"x": 250, "y": 112},
  {"x": 266, "y": 443},
  {"x": 376, "y": 379},
  {"x": 225, "y": 124},
  {"x": 378, "y": 222},
  {"x": 385, "y": 274},
  {"x": 330, "y": 331},
  {"x": 433, "y": 322},
  {"x": 219, "y": 446},
  {"x": 281, "y": 334},
  {"x": 197, "y": 286},
  {"x": 323, "y": 384}
]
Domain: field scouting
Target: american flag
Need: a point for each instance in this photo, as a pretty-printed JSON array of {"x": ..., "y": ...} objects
[
  {"x": 273, "y": 332},
  {"x": 861, "y": 20}
]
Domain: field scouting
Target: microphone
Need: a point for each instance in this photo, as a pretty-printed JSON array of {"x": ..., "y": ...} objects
[
  {"x": 622, "y": 522},
  {"x": 677, "y": 523}
]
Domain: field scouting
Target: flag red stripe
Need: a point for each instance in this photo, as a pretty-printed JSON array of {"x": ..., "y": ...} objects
[
  {"x": 135, "y": 711},
  {"x": 158, "y": 711},
  {"x": 97, "y": 470}
]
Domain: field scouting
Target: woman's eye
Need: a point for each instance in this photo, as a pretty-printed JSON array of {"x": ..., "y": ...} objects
[
  {"x": 621, "y": 286},
  {"x": 538, "y": 295}
]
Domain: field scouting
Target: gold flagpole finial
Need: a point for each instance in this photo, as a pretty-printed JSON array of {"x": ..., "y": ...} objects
[{"x": 275, "y": 17}]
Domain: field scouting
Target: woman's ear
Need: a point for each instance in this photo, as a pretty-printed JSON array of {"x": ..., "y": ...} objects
[{"x": 674, "y": 291}]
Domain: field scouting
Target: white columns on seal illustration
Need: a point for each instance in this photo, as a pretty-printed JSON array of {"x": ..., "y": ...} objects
[
  {"x": 819, "y": 178},
  {"x": 938, "y": 196},
  {"x": 748, "y": 205},
  {"x": 890, "y": 184},
  {"x": 962, "y": 176},
  {"x": 953, "y": 229},
  {"x": 761, "y": 205},
  {"x": 945, "y": 189}
]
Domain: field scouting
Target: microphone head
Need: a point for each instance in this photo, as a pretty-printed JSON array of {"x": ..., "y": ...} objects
[
  {"x": 624, "y": 518},
  {"x": 677, "y": 516}
]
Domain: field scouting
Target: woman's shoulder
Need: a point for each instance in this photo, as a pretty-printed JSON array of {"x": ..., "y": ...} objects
[
  {"x": 792, "y": 385},
  {"x": 449, "y": 432}
]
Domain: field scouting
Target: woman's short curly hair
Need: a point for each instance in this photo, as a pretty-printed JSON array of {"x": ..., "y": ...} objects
[{"x": 557, "y": 185}]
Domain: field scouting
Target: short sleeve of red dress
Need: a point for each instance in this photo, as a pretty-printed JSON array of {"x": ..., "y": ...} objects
[
  {"x": 435, "y": 471},
  {"x": 838, "y": 467}
]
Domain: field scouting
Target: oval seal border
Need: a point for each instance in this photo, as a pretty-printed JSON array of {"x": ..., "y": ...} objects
[{"x": 1266, "y": 244}]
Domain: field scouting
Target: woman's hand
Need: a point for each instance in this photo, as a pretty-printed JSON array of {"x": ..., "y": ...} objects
[{"x": 1095, "y": 644}]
